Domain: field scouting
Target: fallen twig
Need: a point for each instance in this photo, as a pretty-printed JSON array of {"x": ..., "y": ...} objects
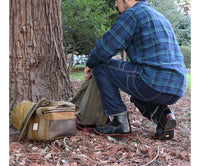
[
  {"x": 153, "y": 158},
  {"x": 16, "y": 145},
  {"x": 66, "y": 146},
  {"x": 83, "y": 156},
  {"x": 119, "y": 160}
]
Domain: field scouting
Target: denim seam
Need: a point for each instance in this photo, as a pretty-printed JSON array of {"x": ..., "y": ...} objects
[
  {"x": 170, "y": 98},
  {"x": 119, "y": 69},
  {"x": 140, "y": 95},
  {"x": 143, "y": 98}
]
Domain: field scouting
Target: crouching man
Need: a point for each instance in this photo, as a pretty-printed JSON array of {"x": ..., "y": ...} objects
[{"x": 155, "y": 76}]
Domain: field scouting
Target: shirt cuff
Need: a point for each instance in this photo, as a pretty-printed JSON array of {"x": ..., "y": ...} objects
[{"x": 92, "y": 60}]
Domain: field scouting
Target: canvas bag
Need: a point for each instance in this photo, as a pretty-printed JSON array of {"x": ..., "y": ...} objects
[
  {"x": 54, "y": 121},
  {"x": 89, "y": 102}
]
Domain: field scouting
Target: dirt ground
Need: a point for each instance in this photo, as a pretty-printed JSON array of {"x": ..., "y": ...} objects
[{"x": 89, "y": 149}]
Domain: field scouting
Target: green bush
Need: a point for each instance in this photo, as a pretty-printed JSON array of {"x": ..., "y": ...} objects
[
  {"x": 84, "y": 22},
  {"x": 180, "y": 22},
  {"x": 183, "y": 31},
  {"x": 186, "y": 51}
]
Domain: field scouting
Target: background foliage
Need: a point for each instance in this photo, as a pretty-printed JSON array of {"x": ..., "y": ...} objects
[
  {"x": 85, "y": 22},
  {"x": 179, "y": 20}
]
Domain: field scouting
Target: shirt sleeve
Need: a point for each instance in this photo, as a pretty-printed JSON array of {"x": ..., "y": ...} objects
[{"x": 118, "y": 38}]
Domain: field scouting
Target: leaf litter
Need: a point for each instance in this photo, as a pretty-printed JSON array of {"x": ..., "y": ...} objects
[{"x": 89, "y": 149}]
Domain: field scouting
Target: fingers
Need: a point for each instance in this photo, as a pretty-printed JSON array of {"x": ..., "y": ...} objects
[
  {"x": 87, "y": 69},
  {"x": 87, "y": 75}
]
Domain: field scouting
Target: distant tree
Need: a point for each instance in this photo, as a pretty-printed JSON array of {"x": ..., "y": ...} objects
[{"x": 84, "y": 22}]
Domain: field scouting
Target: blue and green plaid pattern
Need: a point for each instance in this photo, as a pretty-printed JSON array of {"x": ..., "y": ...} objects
[{"x": 150, "y": 42}]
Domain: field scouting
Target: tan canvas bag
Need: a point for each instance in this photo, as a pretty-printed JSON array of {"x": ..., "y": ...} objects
[{"x": 54, "y": 121}]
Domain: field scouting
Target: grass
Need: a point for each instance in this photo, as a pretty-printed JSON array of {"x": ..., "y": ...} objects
[
  {"x": 189, "y": 81},
  {"x": 78, "y": 68},
  {"x": 78, "y": 75}
]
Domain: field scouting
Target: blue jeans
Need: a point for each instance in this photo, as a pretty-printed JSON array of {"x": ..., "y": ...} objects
[{"x": 126, "y": 76}]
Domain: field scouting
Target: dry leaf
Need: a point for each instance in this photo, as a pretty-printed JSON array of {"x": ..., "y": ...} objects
[
  {"x": 58, "y": 164},
  {"x": 139, "y": 160}
]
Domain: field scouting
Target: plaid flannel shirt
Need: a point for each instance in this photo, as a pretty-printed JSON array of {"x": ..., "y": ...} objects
[{"x": 149, "y": 40}]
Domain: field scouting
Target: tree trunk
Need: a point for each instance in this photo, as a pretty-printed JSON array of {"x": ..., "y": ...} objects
[{"x": 38, "y": 67}]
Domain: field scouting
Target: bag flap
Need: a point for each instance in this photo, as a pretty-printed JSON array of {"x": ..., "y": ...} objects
[
  {"x": 62, "y": 103},
  {"x": 57, "y": 109}
]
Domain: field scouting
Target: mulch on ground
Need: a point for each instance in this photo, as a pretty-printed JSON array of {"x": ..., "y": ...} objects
[{"x": 89, "y": 149}]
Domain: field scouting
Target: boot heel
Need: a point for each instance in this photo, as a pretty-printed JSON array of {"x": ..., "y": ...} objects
[
  {"x": 121, "y": 136},
  {"x": 166, "y": 124},
  {"x": 166, "y": 135},
  {"x": 116, "y": 136},
  {"x": 170, "y": 124}
]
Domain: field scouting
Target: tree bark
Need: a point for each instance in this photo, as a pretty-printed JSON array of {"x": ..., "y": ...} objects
[{"x": 38, "y": 67}]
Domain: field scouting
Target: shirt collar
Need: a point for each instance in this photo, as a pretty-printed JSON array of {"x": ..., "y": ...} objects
[{"x": 140, "y": 3}]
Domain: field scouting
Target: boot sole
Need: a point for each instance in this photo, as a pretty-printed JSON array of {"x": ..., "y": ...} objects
[
  {"x": 168, "y": 130},
  {"x": 86, "y": 129},
  {"x": 83, "y": 126},
  {"x": 117, "y": 135},
  {"x": 167, "y": 135}
]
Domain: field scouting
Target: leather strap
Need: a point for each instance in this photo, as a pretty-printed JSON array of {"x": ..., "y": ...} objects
[{"x": 27, "y": 116}]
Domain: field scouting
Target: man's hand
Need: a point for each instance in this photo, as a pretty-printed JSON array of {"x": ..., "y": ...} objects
[{"x": 87, "y": 75}]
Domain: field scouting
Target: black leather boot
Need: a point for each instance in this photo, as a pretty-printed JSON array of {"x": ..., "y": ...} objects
[
  {"x": 119, "y": 127},
  {"x": 166, "y": 123}
]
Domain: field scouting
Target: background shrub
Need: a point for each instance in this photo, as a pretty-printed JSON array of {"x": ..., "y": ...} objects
[{"x": 186, "y": 51}]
